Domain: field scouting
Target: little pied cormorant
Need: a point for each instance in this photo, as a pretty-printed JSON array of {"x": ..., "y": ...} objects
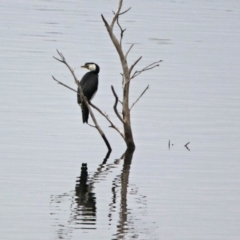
[{"x": 89, "y": 84}]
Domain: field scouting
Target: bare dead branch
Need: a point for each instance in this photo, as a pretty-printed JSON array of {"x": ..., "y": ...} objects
[
  {"x": 70, "y": 69},
  {"x": 153, "y": 63},
  {"x": 134, "y": 64},
  {"x": 63, "y": 60},
  {"x": 115, "y": 104},
  {"x": 97, "y": 126},
  {"x": 149, "y": 67},
  {"x": 119, "y": 25},
  {"x": 125, "y": 11},
  {"x": 114, "y": 39},
  {"x": 108, "y": 119},
  {"x": 122, "y": 12},
  {"x": 136, "y": 73},
  {"x": 186, "y": 146},
  {"x": 90, "y": 125},
  {"x": 116, "y": 15},
  {"x": 106, "y": 23},
  {"x": 83, "y": 99},
  {"x": 122, "y": 31},
  {"x": 139, "y": 97},
  {"x": 128, "y": 51},
  {"x": 126, "y": 77},
  {"x": 64, "y": 85}
]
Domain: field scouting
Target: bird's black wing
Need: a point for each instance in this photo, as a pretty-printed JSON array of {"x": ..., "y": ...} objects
[{"x": 89, "y": 84}]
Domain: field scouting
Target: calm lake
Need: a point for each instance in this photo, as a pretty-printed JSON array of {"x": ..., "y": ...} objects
[{"x": 167, "y": 191}]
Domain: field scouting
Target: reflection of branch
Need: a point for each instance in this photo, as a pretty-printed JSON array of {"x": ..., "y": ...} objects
[
  {"x": 139, "y": 96},
  {"x": 121, "y": 182},
  {"x": 83, "y": 98},
  {"x": 83, "y": 201},
  {"x": 102, "y": 170}
]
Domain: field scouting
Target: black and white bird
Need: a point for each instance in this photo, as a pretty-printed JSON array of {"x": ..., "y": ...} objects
[{"x": 89, "y": 84}]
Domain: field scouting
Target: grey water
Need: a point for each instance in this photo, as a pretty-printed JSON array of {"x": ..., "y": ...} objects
[{"x": 166, "y": 191}]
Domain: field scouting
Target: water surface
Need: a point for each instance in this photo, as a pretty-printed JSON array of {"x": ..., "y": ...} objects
[{"x": 193, "y": 97}]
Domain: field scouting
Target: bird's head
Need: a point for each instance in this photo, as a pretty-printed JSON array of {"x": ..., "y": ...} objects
[{"x": 93, "y": 67}]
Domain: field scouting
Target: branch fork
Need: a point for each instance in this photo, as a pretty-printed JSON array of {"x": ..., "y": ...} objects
[
  {"x": 83, "y": 98},
  {"x": 127, "y": 75}
]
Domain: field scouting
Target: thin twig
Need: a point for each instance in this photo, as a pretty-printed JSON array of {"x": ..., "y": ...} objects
[
  {"x": 124, "y": 11},
  {"x": 116, "y": 15},
  {"x": 64, "y": 85},
  {"x": 129, "y": 50},
  {"x": 149, "y": 67},
  {"x": 139, "y": 96},
  {"x": 134, "y": 64},
  {"x": 90, "y": 125},
  {"x": 106, "y": 23},
  {"x": 136, "y": 73},
  {"x": 119, "y": 25},
  {"x": 186, "y": 146},
  {"x": 106, "y": 116},
  {"x": 64, "y": 61},
  {"x": 115, "y": 104},
  {"x": 122, "y": 31}
]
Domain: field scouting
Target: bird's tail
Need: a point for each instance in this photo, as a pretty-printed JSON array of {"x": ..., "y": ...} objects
[{"x": 85, "y": 113}]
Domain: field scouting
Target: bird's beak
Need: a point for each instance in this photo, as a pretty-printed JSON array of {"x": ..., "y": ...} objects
[{"x": 84, "y": 66}]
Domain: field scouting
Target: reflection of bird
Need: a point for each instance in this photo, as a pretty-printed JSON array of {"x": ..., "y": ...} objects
[{"x": 89, "y": 84}]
